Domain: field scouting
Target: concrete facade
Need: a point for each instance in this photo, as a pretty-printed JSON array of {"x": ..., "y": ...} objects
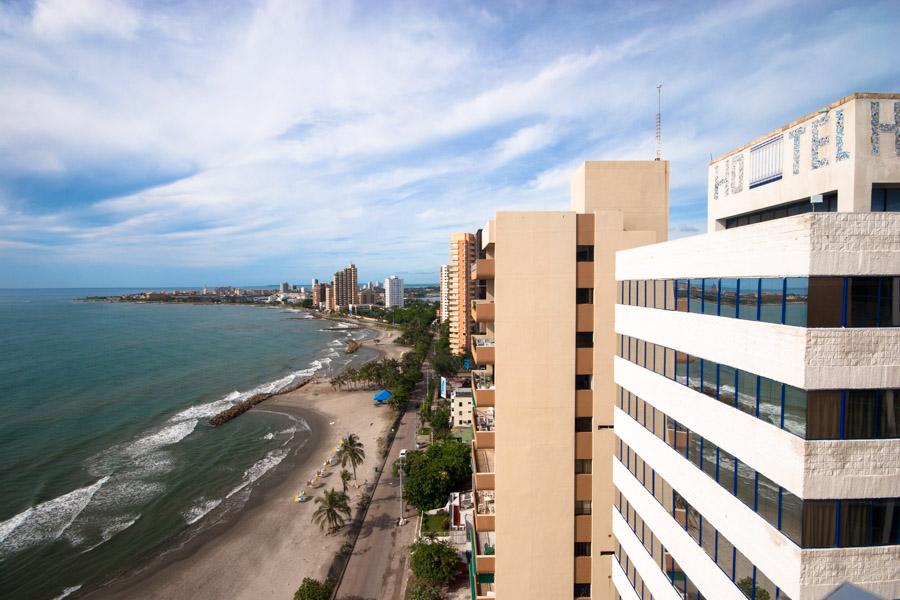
[
  {"x": 848, "y": 148},
  {"x": 460, "y": 290},
  {"x": 393, "y": 292},
  {"x": 548, "y": 369}
]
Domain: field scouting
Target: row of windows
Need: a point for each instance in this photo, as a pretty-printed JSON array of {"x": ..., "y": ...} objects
[
  {"x": 634, "y": 576},
  {"x": 800, "y": 207},
  {"x": 812, "y": 415},
  {"x": 807, "y": 523},
  {"x": 799, "y": 301},
  {"x": 748, "y": 579}
]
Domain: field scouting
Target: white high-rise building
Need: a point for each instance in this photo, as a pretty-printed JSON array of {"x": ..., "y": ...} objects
[
  {"x": 393, "y": 292},
  {"x": 445, "y": 292},
  {"x": 757, "y": 426}
]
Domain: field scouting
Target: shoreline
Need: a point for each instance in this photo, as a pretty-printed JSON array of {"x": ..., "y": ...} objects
[{"x": 271, "y": 538}]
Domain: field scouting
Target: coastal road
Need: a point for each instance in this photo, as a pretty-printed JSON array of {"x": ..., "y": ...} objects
[{"x": 377, "y": 568}]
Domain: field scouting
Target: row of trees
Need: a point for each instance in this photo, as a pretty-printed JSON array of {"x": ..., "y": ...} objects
[{"x": 333, "y": 507}]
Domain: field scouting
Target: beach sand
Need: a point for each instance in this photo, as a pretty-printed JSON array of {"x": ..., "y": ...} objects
[{"x": 267, "y": 549}]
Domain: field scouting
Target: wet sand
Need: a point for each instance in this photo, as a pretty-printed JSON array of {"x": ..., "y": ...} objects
[{"x": 268, "y": 547}]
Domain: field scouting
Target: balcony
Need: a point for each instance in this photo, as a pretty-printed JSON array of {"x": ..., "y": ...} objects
[
  {"x": 483, "y": 467},
  {"x": 484, "y": 427},
  {"x": 483, "y": 268},
  {"x": 483, "y": 387},
  {"x": 483, "y": 349},
  {"x": 484, "y": 510},
  {"x": 485, "y": 548},
  {"x": 483, "y": 311}
]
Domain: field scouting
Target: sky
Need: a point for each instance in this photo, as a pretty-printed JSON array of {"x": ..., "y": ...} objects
[{"x": 165, "y": 144}]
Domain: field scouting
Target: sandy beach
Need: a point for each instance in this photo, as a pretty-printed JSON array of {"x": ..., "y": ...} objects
[{"x": 267, "y": 549}]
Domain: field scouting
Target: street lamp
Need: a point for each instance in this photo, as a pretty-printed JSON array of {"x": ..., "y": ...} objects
[{"x": 402, "y": 461}]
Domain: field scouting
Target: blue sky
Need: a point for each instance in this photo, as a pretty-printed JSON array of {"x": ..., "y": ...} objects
[{"x": 208, "y": 143}]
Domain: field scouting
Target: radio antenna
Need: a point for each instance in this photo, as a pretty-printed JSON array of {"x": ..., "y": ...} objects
[{"x": 659, "y": 122}]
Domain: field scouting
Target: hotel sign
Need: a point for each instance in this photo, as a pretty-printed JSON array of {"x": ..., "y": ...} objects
[{"x": 826, "y": 137}]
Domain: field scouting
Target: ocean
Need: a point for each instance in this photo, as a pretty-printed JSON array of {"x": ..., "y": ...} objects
[{"x": 107, "y": 454}]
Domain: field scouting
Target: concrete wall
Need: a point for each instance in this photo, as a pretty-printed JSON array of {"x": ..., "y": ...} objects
[
  {"x": 834, "y": 152},
  {"x": 535, "y": 406},
  {"x": 810, "y": 244}
]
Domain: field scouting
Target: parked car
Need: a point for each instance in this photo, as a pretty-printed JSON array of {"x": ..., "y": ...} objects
[{"x": 403, "y": 453}]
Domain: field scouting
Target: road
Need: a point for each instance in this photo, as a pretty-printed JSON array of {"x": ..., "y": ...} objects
[{"x": 377, "y": 568}]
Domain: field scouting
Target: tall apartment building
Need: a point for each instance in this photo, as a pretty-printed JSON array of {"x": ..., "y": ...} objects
[
  {"x": 460, "y": 291},
  {"x": 543, "y": 475},
  {"x": 393, "y": 292},
  {"x": 445, "y": 292},
  {"x": 344, "y": 288},
  {"x": 758, "y": 412}
]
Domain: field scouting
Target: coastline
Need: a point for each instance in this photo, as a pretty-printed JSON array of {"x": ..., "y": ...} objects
[{"x": 272, "y": 538}]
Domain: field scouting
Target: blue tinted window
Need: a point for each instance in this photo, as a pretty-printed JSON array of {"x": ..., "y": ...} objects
[
  {"x": 770, "y": 401},
  {"x": 796, "y": 300},
  {"x": 695, "y": 296},
  {"x": 727, "y": 384},
  {"x": 795, "y": 410},
  {"x": 747, "y": 392},
  {"x": 710, "y": 296},
  {"x": 749, "y": 299},
  {"x": 770, "y": 300},
  {"x": 728, "y": 297}
]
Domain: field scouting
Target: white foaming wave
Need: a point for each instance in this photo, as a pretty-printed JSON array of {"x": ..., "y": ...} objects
[
  {"x": 269, "y": 436},
  {"x": 335, "y": 343},
  {"x": 46, "y": 521},
  {"x": 164, "y": 437},
  {"x": 209, "y": 409},
  {"x": 200, "y": 510},
  {"x": 68, "y": 591},
  {"x": 260, "y": 468},
  {"x": 115, "y": 526}
]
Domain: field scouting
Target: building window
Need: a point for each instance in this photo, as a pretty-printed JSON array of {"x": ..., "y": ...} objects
[
  {"x": 582, "y": 507},
  {"x": 582, "y": 548},
  {"x": 584, "y": 254},
  {"x": 828, "y": 204},
  {"x": 582, "y": 590},
  {"x": 584, "y": 339},
  {"x": 583, "y": 465},
  {"x": 583, "y": 382},
  {"x": 582, "y": 424},
  {"x": 584, "y": 295},
  {"x": 885, "y": 199}
]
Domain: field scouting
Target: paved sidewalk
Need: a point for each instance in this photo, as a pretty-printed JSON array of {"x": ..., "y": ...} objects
[{"x": 377, "y": 568}]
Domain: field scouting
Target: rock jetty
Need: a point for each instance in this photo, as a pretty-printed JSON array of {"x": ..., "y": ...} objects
[{"x": 245, "y": 405}]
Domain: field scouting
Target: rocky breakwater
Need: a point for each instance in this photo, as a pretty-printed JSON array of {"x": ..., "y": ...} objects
[{"x": 245, "y": 405}]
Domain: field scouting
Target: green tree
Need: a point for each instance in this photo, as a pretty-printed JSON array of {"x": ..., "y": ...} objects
[
  {"x": 434, "y": 562},
  {"x": 345, "y": 478},
  {"x": 307, "y": 303},
  {"x": 313, "y": 589},
  {"x": 422, "y": 590},
  {"x": 332, "y": 511},
  {"x": 351, "y": 452},
  {"x": 746, "y": 586},
  {"x": 432, "y": 474},
  {"x": 440, "y": 421}
]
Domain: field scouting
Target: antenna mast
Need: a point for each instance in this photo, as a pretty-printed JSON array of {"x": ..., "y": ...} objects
[{"x": 658, "y": 122}]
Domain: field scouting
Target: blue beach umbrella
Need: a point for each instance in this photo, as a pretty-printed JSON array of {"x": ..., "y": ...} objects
[{"x": 383, "y": 396}]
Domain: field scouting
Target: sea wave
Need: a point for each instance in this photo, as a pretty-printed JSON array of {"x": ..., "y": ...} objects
[
  {"x": 68, "y": 591},
  {"x": 260, "y": 468},
  {"x": 113, "y": 527},
  {"x": 46, "y": 521},
  {"x": 200, "y": 510}
]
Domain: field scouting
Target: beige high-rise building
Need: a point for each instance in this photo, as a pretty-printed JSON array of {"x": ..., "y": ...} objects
[
  {"x": 543, "y": 479},
  {"x": 460, "y": 291},
  {"x": 345, "y": 290}
]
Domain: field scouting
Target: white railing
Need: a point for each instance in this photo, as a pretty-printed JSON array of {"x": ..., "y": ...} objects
[{"x": 766, "y": 161}]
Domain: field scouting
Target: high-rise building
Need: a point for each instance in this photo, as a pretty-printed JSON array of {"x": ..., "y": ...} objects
[
  {"x": 543, "y": 479},
  {"x": 285, "y": 287},
  {"x": 393, "y": 292},
  {"x": 328, "y": 297},
  {"x": 460, "y": 291},
  {"x": 344, "y": 288},
  {"x": 758, "y": 413},
  {"x": 445, "y": 292}
]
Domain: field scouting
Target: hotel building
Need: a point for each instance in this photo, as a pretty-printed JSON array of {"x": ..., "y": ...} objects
[
  {"x": 393, "y": 292},
  {"x": 344, "y": 288},
  {"x": 544, "y": 392},
  {"x": 460, "y": 291},
  {"x": 758, "y": 409}
]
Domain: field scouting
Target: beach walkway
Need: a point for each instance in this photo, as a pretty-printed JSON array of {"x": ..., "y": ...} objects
[{"x": 377, "y": 568}]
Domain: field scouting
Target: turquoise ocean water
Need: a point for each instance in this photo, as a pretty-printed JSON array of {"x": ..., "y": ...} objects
[{"x": 106, "y": 452}]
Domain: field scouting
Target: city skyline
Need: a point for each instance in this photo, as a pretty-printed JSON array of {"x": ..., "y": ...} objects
[{"x": 122, "y": 167}]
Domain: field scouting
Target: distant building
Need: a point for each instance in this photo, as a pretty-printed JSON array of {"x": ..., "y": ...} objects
[
  {"x": 445, "y": 292},
  {"x": 393, "y": 292},
  {"x": 368, "y": 296},
  {"x": 328, "y": 297},
  {"x": 285, "y": 288},
  {"x": 344, "y": 288},
  {"x": 460, "y": 291},
  {"x": 461, "y": 407}
]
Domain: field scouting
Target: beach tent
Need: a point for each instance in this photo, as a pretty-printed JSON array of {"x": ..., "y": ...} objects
[{"x": 383, "y": 396}]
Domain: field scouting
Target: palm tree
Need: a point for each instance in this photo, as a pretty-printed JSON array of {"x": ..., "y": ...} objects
[
  {"x": 333, "y": 510},
  {"x": 345, "y": 477},
  {"x": 351, "y": 452}
]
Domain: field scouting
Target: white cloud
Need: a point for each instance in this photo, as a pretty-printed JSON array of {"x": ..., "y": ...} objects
[{"x": 60, "y": 18}]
